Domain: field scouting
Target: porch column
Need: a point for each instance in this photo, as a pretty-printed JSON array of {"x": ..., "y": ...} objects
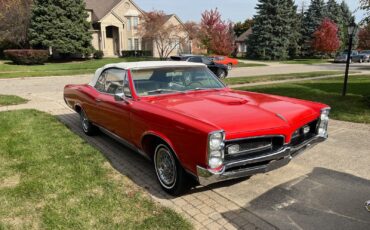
[
  {"x": 120, "y": 38},
  {"x": 103, "y": 35}
]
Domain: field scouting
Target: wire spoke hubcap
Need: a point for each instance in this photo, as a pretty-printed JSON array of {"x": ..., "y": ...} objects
[
  {"x": 166, "y": 168},
  {"x": 84, "y": 121}
]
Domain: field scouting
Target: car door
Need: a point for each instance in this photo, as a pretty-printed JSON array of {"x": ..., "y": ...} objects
[{"x": 115, "y": 115}]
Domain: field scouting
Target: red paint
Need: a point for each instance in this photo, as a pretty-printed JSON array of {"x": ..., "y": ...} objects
[{"x": 225, "y": 60}]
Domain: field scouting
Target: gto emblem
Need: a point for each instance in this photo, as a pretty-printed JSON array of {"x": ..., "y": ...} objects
[{"x": 367, "y": 205}]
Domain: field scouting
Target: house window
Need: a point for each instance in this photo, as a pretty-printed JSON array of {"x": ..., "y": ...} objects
[
  {"x": 129, "y": 44},
  {"x": 136, "y": 44},
  {"x": 136, "y": 22},
  {"x": 129, "y": 23}
]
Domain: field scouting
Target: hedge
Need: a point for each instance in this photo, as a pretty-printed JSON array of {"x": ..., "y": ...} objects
[
  {"x": 27, "y": 56},
  {"x": 98, "y": 54},
  {"x": 137, "y": 53}
]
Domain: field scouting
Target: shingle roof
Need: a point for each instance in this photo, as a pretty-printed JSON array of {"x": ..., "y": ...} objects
[
  {"x": 244, "y": 36},
  {"x": 100, "y": 8}
]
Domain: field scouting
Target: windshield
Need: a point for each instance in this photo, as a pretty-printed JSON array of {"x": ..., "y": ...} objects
[{"x": 173, "y": 79}]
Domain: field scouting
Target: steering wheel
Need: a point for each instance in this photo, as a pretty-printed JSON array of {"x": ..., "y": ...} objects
[{"x": 195, "y": 82}]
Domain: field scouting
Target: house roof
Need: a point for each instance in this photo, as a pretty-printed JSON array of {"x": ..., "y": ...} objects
[
  {"x": 100, "y": 8},
  {"x": 244, "y": 36}
]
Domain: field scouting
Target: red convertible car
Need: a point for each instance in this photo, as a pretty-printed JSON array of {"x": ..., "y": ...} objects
[{"x": 191, "y": 125}]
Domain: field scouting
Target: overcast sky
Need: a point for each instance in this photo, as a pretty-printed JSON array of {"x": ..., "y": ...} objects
[{"x": 234, "y": 10}]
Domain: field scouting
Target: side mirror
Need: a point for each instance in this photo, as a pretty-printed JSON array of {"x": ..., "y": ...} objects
[{"x": 119, "y": 97}]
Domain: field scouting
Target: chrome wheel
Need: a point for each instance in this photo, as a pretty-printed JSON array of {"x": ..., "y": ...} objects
[
  {"x": 165, "y": 166},
  {"x": 84, "y": 121}
]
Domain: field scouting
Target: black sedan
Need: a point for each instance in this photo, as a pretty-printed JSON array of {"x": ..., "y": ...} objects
[{"x": 221, "y": 71}]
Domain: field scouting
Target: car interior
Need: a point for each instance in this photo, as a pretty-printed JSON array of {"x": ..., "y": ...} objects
[{"x": 151, "y": 82}]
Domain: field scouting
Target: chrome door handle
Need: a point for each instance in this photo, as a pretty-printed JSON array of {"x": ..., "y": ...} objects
[{"x": 98, "y": 100}]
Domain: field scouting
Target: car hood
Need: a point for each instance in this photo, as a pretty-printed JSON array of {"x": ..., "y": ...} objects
[{"x": 237, "y": 111}]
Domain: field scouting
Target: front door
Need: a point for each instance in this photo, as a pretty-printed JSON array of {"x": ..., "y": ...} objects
[
  {"x": 114, "y": 115},
  {"x": 112, "y": 41}
]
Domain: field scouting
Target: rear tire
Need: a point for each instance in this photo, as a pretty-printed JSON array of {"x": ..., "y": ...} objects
[
  {"x": 221, "y": 74},
  {"x": 170, "y": 174},
  {"x": 87, "y": 127},
  {"x": 230, "y": 66}
]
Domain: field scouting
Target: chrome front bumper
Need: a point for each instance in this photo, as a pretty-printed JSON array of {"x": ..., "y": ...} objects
[{"x": 275, "y": 160}]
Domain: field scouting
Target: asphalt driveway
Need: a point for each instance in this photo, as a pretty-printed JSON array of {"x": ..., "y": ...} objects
[{"x": 324, "y": 188}]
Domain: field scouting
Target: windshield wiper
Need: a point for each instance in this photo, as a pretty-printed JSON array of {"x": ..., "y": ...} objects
[
  {"x": 200, "y": 88},
  {"x": 160, "y": 91}
]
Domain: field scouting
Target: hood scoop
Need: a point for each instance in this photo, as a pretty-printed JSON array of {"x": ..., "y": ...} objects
[{"x": 227, "y": 99}]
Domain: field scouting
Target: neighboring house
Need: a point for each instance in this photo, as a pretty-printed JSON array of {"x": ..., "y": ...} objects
[
  {"x": 241, "y": 42},
  {"x": 115, "y": 27},
  {"x": 197, "y": 47}
]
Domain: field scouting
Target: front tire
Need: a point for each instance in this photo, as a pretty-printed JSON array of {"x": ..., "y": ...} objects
[
  {"x": 170, "y": 174},
  {"x": 230, "y": 66},
  {"x": 87, "y": 127}
]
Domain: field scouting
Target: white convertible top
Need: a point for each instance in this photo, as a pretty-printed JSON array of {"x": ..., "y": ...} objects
[{"x": 142, "y": 65}]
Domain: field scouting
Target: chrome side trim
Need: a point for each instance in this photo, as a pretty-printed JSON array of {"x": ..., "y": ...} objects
[{"x": 123, "y": 141}]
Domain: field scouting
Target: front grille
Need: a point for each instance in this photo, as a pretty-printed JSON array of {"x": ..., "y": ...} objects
[
  {"x": 299, "y": 136},
  {"x": 253, "y": 147}
]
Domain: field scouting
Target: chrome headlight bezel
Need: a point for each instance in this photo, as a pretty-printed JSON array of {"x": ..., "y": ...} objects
[
  {"x": 216, "y": 152},
  {"x": 322, "y": 128}
]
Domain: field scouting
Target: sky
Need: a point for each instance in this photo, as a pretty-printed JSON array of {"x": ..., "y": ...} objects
[{"x": 234, "y": 10}]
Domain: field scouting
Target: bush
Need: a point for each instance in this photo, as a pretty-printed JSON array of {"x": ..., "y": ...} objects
[
  {"x": 366, "y": 99},
  {"x": 137, "y": 53},
  {"x": 98, "y": 54},
  {"x": 27, "y": 57}
]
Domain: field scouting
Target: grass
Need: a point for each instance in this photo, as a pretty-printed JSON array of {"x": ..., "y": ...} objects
[
  {"x": 279, "y": 77},
  {"x": 307, "y": 61},
  {"x": 242, "y": 64},
  {"x": 9, "y": 70},
  {"x": 52, "y": 179},
  {"x": 11, "y": 100},
  {"x": 355, "y": 107}
]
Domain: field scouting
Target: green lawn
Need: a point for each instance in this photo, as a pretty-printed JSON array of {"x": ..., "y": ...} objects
[
  {"x": 242, "y": 64},
  {"x": 11, "y": 100},
  {"x": 50, "y": 178},
  {"x": 278, "y": 77},
  {"x": 307, "y": 61},
  {"x": 355, "y": 107},
  {"x": 9, "y": 70}
]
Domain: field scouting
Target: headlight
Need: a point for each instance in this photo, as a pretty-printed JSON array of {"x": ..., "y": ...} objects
[
  {"x": 216, "y": 149},
  {"x": 324, "y": 121}
]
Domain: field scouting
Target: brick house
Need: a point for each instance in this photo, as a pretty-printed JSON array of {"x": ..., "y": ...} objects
[{"x": 115, "y": 27}]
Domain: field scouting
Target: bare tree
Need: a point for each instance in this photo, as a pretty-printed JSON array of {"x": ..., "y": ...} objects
[
  {"x": 14, "y": 21},
  {"x": 166, "y": 37}
]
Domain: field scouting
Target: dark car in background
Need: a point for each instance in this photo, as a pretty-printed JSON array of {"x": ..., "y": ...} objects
[
  {"x": 220, "y": 70},
  {"x": 361, "y": 58},
  {"x": 342, "y": 56}
]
